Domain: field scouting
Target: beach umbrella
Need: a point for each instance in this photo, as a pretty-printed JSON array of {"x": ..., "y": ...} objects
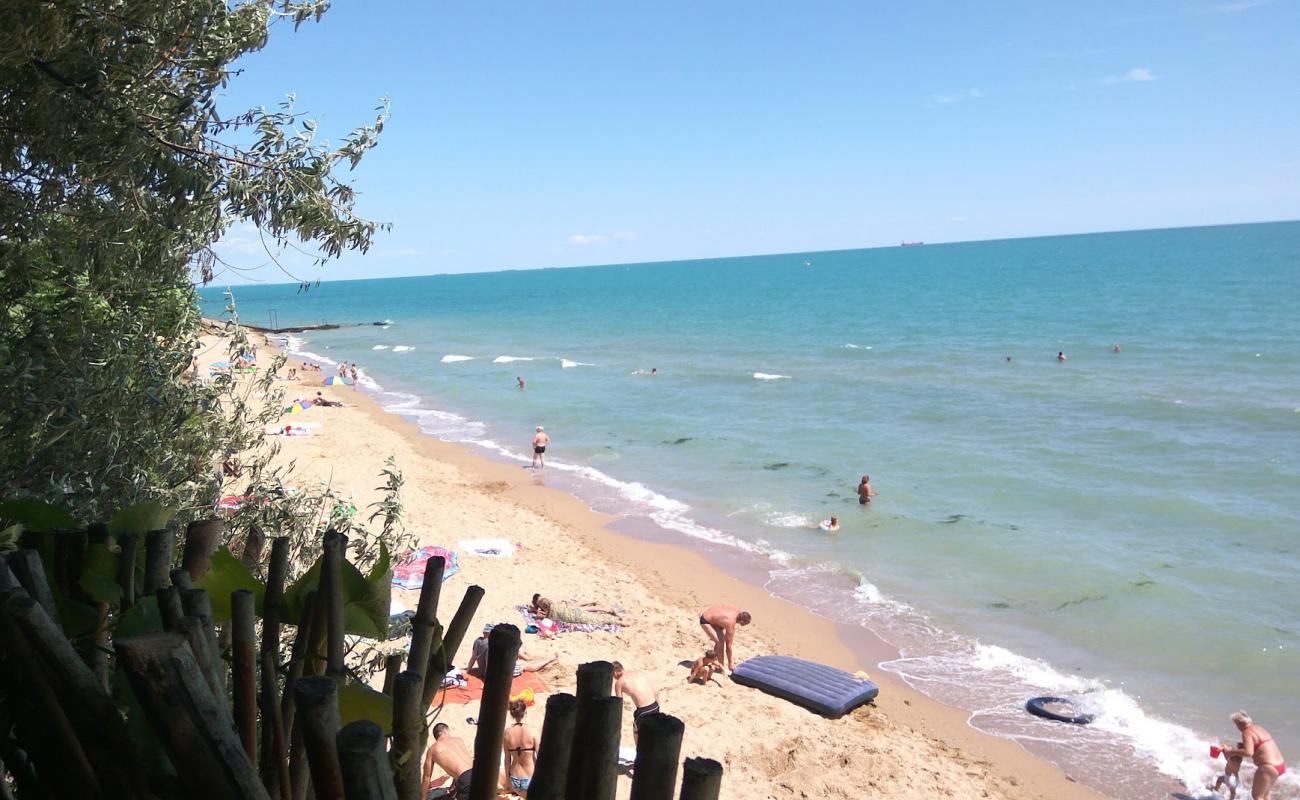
[{"x": 335, "y": 380}]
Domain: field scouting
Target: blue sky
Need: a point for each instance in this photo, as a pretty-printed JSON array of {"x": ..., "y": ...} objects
[{"x": 557, "y": 133}]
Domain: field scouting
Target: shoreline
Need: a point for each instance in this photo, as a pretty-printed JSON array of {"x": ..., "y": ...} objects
[{"x": 675, "y": 574}]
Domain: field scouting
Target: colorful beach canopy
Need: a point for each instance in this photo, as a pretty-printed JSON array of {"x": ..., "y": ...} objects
[
  {"x": 409, "y": 572},
  {"x": 335, "y": 380},
  {"x": 297, "y": 406}
]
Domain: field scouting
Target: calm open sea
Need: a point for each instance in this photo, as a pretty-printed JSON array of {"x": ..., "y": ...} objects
[{"x": 1121, "y": 527}]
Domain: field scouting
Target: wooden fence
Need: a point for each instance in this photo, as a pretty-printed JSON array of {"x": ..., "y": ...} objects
[{"x": 234, "y": 721}]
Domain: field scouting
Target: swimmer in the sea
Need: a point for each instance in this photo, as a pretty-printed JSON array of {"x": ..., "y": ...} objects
[
  {"x": 521, "y": 382},
  {"x": 830, "y": 525},
  {"x": 1060, "y": 355},
  {"x": 865, "y": 492},
  {"x": 1115, "y": 349}
]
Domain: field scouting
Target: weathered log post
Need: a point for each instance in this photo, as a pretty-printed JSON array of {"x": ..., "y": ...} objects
[
  {"x": 408, "y": 732},
  {"x": 189, "y": 719},
  {"x": 243, "y": 669},
  {"x": 274, "y": 766},
  {"x": 658, "y": 748},
  {"x": 169, "y": 608},
  {"x": 202, "y": 538},
  {"x": 159, "y": 548},
  {"x": 318, "y": 710},
  {"x": 426, "y": 617},
  {"x": 366, "y": 774},
  {"x": 441, "y": 659},
  {"x": 198, "y": 607},
  {"x": 701, "y": 779},
  {"x": 331, "y": 590},
  {"x": 595, "y": 682},
  {"x": 605, "y": 725},
  {"x": 254, "y": 542},
  {"x": 555, "y": 748},
  {"x": 392, "y": 666},
  {"x": 181, "y": 580},
  {"x": 303, "y": 646},
  {"x": 129, "y": 545},
  {"x": 503, "y": 651},
  {"x": 28, "y": 570}
]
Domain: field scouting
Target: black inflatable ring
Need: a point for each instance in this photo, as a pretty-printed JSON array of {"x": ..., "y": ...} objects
[{"x": 1038, "y": 706}]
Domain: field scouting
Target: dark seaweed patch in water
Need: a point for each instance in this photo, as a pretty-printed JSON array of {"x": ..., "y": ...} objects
[
  {"x": 1143, "y": 584},
  {"x": 952, "y": 520},
  {"x": 833, "y": 493},
  {"x": 777, "y": 465},
  {"x": 1000, "y": 604},
  {"x": 682, "y": 440},
  {"x": 1088, "y": 598}
]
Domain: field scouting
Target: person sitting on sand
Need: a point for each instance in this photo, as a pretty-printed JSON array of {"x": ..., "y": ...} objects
[
  {"x": 520, "y": 746},
  {"x": 865, "y": 492},
  {"x": 450, "y": 753},
  {"x": 1229, "y": 777},
  {"x": 478, "y": 658},
  {"x": 640, "y": 689},
  {"x": 293, "y": 375},
  {"x": 577, "y": 614},
  {"x": 719, "y": 623},
  {"x": 704, "y": 667},
  {"x": 1258, "y": 744}
]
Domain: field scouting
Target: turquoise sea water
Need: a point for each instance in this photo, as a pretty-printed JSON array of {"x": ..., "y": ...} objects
[{"x": 1120, "y": 527}]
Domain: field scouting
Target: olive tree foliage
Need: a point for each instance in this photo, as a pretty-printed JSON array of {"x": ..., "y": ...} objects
[{"x": 118, "y": 172}]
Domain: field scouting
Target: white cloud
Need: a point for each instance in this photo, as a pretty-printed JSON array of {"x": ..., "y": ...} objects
[
  {"x": 957, "y": 97},
  {"x": 601, "y": 238},
  {"x": 1135, "y": 75}
]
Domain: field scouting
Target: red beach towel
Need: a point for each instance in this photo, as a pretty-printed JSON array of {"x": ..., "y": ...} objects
[{"x": 459, "y": 695}]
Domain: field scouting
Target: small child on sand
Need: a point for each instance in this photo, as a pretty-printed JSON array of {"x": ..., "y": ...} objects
[
  {"x": 1229, "y": 777},
  {"x": 704, "y": 667}
]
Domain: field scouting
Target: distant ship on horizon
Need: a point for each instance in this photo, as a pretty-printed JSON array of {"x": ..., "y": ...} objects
[{"x": 911, "y": 244}]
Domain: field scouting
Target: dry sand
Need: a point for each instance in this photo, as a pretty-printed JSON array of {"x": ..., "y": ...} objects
[{"x": 904, "y": 745}]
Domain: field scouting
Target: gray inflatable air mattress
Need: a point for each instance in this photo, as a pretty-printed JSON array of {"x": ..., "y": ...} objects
[{"x": 826, "y": 690}]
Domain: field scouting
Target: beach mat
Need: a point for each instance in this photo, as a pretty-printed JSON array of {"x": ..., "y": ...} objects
[
  {"x": 473, "y": 691},
  {"x": 488, "y": 548},
  {"x": 567, "y": 627}
]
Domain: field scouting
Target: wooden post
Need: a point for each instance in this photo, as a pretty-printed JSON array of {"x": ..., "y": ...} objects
[
  {"x": 658, "y": 747},
  {"x": 180, "y": 578},
  {"x": 366, "y": 774},
  {"x": 30, "y": 573},
  {"x": 555, "y": 748},
  {"x": 196, "y": 736},
  {"x": 701, "y": 779},
  {"x": 392, "y": 666},
  {"x": 159, "y": 547},
  {"x": 169, "y": 607},
  {"x": 7, "y": 578},
  {"x": 198, "y": 606},
  {"x": 70, "y": 561},
  {"x": 274, "y": 765},
  {"x": 318, "y": 710},
  {"x": 302, "y": 647},
  {"x": 595, "y": 682},
  {"x": 43, "y": 727},
  {"x": 243, "y": 669},
  {"x": 408, "y": 732},
  {"x": 442, "y": 659},
  {"x": 503, "y": 650},
  {"x": 331, "y": 590},
  {"x": 129, "y": 544},
  {"x": 97, "y": 533},
  {"x": 202, "y": 537},
  {"x": 426, "y": 617},
  {"x": 251, "y": 555}
]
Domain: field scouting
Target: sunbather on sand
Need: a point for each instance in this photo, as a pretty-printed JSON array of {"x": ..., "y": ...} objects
[
  {"x": 478, "y": 658},
  {"x": 704, "y": 667},
  {"x": 576, "y": 614}
]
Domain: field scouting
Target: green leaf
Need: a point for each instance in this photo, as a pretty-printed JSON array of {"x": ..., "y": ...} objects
[
  {"x": 358, "y": 701},
  {"x": 99, "y": 576},
  {"x": 365, "y": 600},
  {"x": 140, "y": 518},
  {"x": 141, "y": 618},
  {"x": 37, "y": 516},
  {"x": 227, "y": 574}
]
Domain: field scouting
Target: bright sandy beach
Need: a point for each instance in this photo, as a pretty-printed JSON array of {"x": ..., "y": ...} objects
[{"x": 903, "y": 745}]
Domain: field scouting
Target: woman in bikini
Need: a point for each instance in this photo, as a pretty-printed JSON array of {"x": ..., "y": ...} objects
[
  {"x": 1258, "y": 745},
  {"x": 520, "y": 746}
]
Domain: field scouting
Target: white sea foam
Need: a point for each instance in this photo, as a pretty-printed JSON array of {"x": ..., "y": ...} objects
[
  {"x": 380, "y": 347},
  {"x": 767, "y": 376},
  {"x": 402, "y": 348},
  {"x": 508, "y": 359},
  {"x": 567, "y": 364},
  {"x": 294, "y": 345},
  {"x": 452, "y": 358},
  {"x": 788, "y": 519}
]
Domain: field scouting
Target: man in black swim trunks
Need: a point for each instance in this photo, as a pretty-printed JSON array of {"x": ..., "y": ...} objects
[
  {"x": 540, "y": 440},
  {"x": 719, "y": 623},
  {"x": 451, "y": 754},
  {"x": 640, "y": 690}
]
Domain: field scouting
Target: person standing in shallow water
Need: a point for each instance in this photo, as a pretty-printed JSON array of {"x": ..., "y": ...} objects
[
  {"x": 520, "y": 379},
  {"x": 540, "y": 441},
  {"x": 1258, "y": 745},
  {"x": 865, "y": 492}
]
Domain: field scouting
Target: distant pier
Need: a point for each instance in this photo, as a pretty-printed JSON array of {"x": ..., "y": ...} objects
[{"x": 324, "y": 326}]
